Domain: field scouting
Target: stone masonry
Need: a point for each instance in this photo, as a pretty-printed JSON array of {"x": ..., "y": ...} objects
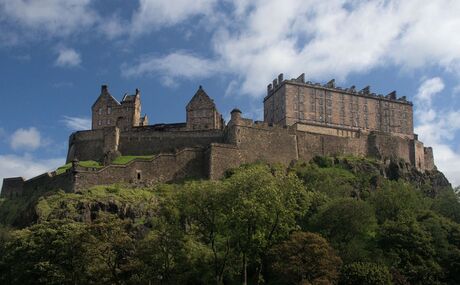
[{"x": 301, "y": 120}]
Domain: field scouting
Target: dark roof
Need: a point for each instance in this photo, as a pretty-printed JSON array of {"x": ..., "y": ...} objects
[{"x": 200, "y": 100}]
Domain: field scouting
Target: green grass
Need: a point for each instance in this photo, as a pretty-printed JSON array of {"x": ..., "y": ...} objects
[
  {"x": 128, "y": 158},
  {"x": 86, "y": 163}
]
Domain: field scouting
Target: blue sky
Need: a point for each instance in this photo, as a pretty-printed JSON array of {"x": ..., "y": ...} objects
[{"x": 55, "y": 54}]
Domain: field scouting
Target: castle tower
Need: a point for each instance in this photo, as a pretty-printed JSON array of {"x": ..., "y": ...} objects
[
  {"x": 108, "y": 112},
  {"x": 202, "y": 113},
  {"x": 102, "y": 109}
]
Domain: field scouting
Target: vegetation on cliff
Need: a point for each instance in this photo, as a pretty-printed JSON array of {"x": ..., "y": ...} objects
[{"x": 331, "y": 221}]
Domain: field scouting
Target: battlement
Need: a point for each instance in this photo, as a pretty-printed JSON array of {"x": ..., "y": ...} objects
[{"x": 331, "y": 86}]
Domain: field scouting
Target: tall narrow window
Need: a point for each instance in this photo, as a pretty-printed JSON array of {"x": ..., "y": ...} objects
[
  {"x": 109, "y": 110},
  {"x": 100, "y": 111}
]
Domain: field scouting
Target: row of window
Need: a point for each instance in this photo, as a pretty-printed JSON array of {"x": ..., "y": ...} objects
[
  {"x": 100, "y": 122},
  {"x": 109, "y": 110}
]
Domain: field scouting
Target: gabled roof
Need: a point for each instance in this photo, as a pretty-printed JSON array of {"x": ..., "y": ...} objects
[
  {"x": 200, "y": 100},
  {"x": 105, "y": 94}
]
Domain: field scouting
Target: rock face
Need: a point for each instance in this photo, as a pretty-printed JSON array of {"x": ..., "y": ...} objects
[{"x": 431, "y": 182}]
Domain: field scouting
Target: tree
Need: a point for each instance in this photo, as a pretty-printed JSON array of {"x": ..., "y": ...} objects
[
  {"x": 111, "y": 248},
  {"x": 306, "y": 258},
  {"x": 262, "y": 208},
  {"x": 447, "y": 204},
  {"x": 394, "y": 199},
  {"x": 409, "y": 248},
  {"x": 349, "y": 225},
  {"x": 160, "y": 254},
  {"x": 203, "y": 208},
  {"x": 364, "y": 273},
  {"x": 53, "y": 252}
]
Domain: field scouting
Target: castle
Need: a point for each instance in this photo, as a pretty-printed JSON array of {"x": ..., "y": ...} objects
[{"x": 301, "y": 120}]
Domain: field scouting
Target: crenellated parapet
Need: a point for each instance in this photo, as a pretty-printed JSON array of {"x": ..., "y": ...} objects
[{"x": 331, "y": 86}]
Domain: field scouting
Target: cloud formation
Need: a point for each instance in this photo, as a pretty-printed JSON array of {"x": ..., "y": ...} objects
[
  {"x": 68, "y": 57},
  {"x": 437, "y": 128},
  {"x": 175, "y": 65},
  {"x": 77, "y": 123},
  {"x": 258, "y": 39},
  {"x": 26, "y": 139},
  {"x": 153, "y": 14},
  {"x": 54, "y": 17}
]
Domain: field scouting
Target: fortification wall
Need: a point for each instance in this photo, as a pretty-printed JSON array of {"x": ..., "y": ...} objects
[
  {"x": 50, "y": 181},
  {"x": 418, "y": 155},
  {"x": 187, "y": 163},
  {"x": 86, "y": 145},
  {"x": 17, "y": 186},
  {"x": 222, "y": 157},
  {"x": 142, "y": 141},
  {"x": 260, "y": 142},
  {"x": 92, "y": 145},
  {"x": 12, "y": 187},
  {"x": 429, "y": 158},
  {"x": 385, "y": 146},
  {"x": 312, "y": 144}
]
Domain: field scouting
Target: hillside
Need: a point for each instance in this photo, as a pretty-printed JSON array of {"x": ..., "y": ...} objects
[{"x": 343, "y": 220}]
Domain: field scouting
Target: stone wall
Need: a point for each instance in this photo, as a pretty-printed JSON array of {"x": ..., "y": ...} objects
[
  {"x": 222, "y": 157},
  {"x": 385, "y": 146},
  {"x": 165, "y": 167},
  {"x": 17, "y": 186},
  {"x": 86, "y": 145},
  {"x": 418, "y": 153},
  {"x": 142, "y": 141},
  {"x": 429, "y": 159},
  {"x": 12, "y": 187},
  {"x": 92, "y": 145},
  {"x": 261, "y": 142}
]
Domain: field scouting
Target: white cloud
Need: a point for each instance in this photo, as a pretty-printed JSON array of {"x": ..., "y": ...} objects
[
  {"x": 178, "y": 64},
  {"x": 153, "y": 14},
  {"x": 68, "y": 57},
  {"x": 26, "y": 139},
  {"x": 56, "y": 17},
  {"x": 428, "y": 90},
  {"x": 259, "y": 39},
  {"x": 26, "y": 166},
  {"x": 77, "y": 123},
  {"x": 437, "y": 128}
]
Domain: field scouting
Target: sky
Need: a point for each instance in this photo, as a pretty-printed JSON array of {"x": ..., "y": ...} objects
[{"x": 55, "y": 55}]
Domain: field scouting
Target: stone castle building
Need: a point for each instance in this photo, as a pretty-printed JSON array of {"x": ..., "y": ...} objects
[{"x": 301, "y": 120}]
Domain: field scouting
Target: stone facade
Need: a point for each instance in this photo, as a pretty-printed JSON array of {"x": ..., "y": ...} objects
[
  {"x": 108, "y": 112},
  {"x": 202, "y": 113},
  {"x": 291, "y": 101},
  {"x": 204, "y": 147}
]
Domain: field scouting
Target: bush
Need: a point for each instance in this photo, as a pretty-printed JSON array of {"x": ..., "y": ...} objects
[{"x": 364, "y": 273}]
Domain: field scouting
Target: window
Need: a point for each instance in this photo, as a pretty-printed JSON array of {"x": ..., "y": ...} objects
[
  {"x": 100, "y": 111},
  {"x": 109, "y": 110},
  {"x": 109, "y": 121},
  {"x": 139, "y": 175},
  {"x": 99, "y": 123}
]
